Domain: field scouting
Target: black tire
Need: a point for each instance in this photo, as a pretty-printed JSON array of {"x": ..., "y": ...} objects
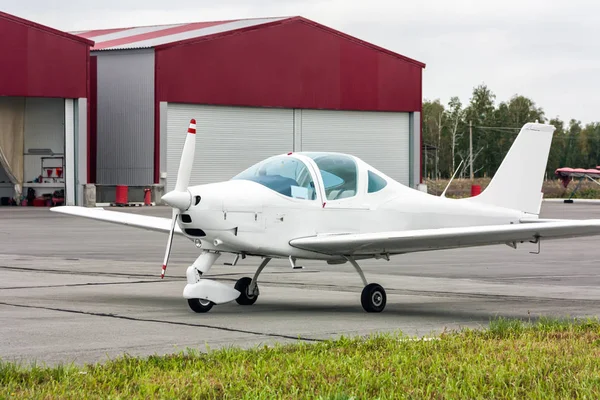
[
  {"x": 245, "y": 298},
  {"x": 200, "y": 306},
  {"x": 373, "y": 298}
]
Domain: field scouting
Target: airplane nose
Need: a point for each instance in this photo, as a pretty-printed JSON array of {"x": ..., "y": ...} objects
[{"x": 176, "y": 199}]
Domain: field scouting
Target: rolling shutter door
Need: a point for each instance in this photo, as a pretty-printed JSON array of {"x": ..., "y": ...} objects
[
  {"x": 229, "y": 139},
  {"x": 378, "y": 138}
]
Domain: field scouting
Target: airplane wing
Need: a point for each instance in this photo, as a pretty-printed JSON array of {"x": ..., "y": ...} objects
[
  {"x": 399, "y": 242},
  {"x": 157, "y": 224}
]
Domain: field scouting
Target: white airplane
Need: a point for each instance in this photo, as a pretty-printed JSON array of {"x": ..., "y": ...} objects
[{"x": 337, "y": 208}]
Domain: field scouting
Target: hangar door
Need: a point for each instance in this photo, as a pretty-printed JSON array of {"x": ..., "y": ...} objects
[
  {"x": 228, "y": 139},
  {"x": 378, "y": 138}
]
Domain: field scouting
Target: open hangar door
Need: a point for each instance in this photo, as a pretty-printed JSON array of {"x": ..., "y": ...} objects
[
  {"x": 44, "y": 147},
  {"x": 381, "y": 139},
  {"x": 38, "y": 145},
  {"x": 229, "y": 139}
]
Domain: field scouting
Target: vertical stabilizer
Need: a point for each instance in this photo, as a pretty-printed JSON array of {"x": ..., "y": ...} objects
[{"x": 518, "y": 182}]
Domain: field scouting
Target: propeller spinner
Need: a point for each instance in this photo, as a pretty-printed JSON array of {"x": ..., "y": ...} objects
[{"x": 180, "y": 198}]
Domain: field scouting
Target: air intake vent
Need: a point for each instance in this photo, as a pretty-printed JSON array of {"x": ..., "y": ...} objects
[
  {"x": 185, "y": 218},
  {"x": 195, "y": 232}
]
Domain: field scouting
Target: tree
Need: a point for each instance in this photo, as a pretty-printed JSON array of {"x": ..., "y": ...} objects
[
  {"x": 480, "y": 112},
  {"x": 433, "y": 121},
  {"x": 494, "y": 130},
  {"x": 455, "y": 116},
  {"x": 557, "y": 149}
]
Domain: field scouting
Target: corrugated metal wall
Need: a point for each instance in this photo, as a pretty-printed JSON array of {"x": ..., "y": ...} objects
[
  {"x": 380, "y": 139},
  {"x": 125, "y": 117},
  {"x": 39, "y": 61},
  {"x": 291, "y": 65},
  {"x": 229, "y": 139}
]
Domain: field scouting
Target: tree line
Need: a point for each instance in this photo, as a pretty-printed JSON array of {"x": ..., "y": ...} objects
[{"x": 494, "y": 127}]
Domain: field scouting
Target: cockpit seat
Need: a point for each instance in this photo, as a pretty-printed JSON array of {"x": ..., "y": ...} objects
[{"x": 345, "y": 193}]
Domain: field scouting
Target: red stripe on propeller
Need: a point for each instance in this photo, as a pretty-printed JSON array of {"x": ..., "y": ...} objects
[{"x": 192, "y": 127}]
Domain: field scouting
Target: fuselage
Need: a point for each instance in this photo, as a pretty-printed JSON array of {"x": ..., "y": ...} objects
[{"x": 259, "y": 217}]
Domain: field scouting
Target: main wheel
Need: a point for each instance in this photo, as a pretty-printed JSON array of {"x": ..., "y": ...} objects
[
  {"x": 200, "y": 306},
  {"x": 246, "y": 298},
  {"x": 373, "y": 298}
]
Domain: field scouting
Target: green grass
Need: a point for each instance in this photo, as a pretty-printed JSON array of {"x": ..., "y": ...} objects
[{"x": 511, "y": 359}]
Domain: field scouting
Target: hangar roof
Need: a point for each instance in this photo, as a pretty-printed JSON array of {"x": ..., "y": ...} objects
[
  {"x": 156, "y": 35},
  {"x": 163, "y": 36},
  {"x": 34, "y": 25}
]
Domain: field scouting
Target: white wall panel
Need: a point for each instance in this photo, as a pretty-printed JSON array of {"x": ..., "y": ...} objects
[
  {"x": 378, "y": 138},
  {"x": 229, "y": 139},
  {"x": 69, "y": 171},
  {"x": 81, "y": 160}
]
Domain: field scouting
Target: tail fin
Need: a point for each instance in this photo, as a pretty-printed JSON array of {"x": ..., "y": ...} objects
[{"x": 518, "y": 182}]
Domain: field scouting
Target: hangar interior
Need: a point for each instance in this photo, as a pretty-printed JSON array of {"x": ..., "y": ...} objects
[
  {"x": 35, "y": 129},
  {"x": 34, "y": 133}
]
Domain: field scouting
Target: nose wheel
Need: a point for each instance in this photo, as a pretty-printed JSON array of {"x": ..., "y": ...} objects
[{"x": 200, "y": 306}]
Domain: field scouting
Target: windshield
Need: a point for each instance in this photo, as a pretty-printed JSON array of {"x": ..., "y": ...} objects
[
  {"x": 283, "y": 174},
  {"x": 339, "y": 173}
]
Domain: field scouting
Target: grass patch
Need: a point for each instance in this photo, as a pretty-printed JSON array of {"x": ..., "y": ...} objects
[{"x": 512, "y": 359}]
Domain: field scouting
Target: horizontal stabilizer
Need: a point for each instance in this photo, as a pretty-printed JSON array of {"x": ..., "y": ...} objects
[
  {"x": 443, "y": 238},
  {"x": 147, "y": 222}
]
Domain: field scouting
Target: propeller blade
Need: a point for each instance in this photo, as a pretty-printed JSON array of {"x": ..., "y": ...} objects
[
  {"x": 180, "y": 198},
  {"x": 187, "y": 159},
  {"x": 169, "y": 242}
]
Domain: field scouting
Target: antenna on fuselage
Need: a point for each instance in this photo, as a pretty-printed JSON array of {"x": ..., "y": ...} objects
[{"x": 451, "y": 179}]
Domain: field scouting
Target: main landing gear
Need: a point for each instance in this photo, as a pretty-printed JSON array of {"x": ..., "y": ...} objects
[
  {"x": 202, "y": 294},
  {"x": 373, "y": 297},
  {"x": 248, "y": 287}
]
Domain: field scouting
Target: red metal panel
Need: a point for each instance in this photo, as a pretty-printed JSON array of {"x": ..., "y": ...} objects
[
  {"x": 293, "y": 64},
  {"x": 41, "y": 62}
]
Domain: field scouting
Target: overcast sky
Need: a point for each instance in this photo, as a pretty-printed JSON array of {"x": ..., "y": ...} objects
[{"x": 547, "y": 50}]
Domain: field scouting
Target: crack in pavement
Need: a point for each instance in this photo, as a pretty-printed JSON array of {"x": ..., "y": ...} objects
[
  {"x": 126, "y": 274},
  {"x": 123, "y": 317},
  {"x": 74, "y": 285}
]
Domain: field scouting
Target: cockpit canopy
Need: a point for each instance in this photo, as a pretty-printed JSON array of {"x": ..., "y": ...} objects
[
  {"x": 288, "y": 176},
  {"x": 291, "y": 176}
]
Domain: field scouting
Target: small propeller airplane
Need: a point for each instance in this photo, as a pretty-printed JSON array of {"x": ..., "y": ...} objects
[{"x": 337, "y": 208}]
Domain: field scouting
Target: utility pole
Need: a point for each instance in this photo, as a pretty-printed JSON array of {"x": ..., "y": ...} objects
[{"x": 471, "y": 148}]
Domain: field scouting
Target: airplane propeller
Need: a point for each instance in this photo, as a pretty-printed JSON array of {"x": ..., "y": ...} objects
[{"x": 180, "y": 198}]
